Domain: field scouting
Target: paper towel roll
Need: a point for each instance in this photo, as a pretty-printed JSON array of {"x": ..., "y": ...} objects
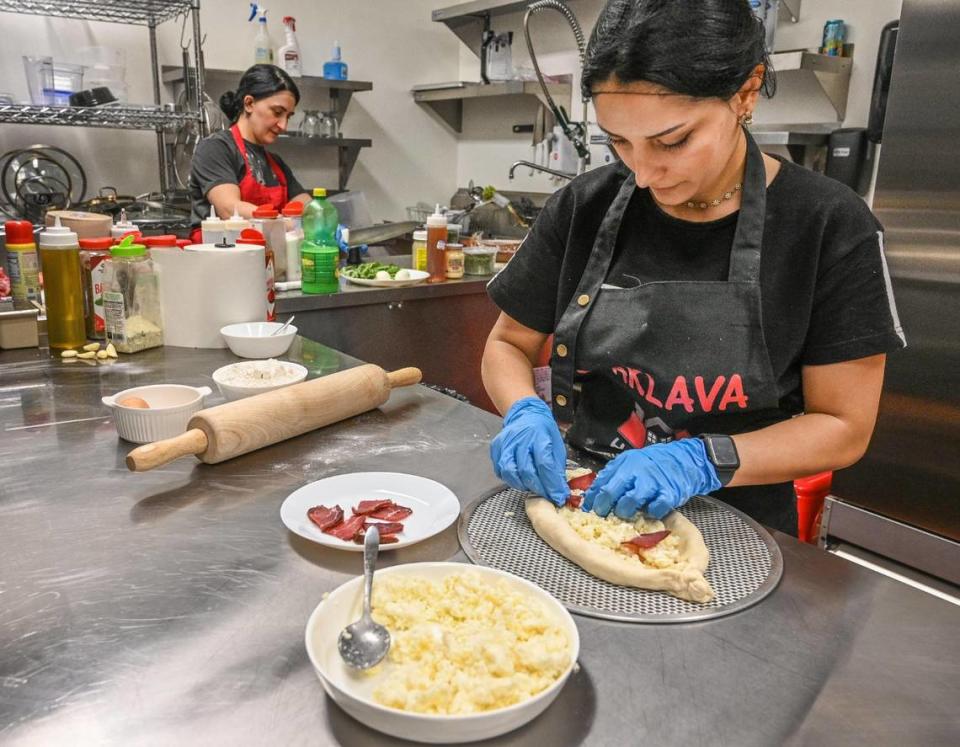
[{"x": 204, "y": 288}]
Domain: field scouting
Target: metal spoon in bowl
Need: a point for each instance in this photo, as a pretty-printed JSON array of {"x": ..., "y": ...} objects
[
  {"x": 285, "y": 325},
  {"x": 364, "y": 643}
]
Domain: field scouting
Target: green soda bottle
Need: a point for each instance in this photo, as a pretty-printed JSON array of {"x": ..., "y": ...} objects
[{"x": 320, "y": 255}]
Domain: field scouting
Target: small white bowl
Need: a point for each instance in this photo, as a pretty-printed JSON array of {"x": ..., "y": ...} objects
[
  {"x": 236, "y": 391},
  {"x": 256, "y": 339},
  {"x": 352, "y": 692},
  {"x": 171, "y": 407}
]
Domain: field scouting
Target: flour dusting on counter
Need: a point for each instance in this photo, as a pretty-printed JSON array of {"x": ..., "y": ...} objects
[{"x": 259, "y": 373}]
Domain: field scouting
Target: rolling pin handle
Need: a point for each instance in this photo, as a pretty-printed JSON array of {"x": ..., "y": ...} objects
[
  {"x": 404, "y": 377},
  {"x": 157, "y": 454}
]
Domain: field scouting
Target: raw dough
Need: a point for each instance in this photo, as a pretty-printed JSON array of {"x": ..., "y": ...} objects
[{"x": 685, "y": 581}]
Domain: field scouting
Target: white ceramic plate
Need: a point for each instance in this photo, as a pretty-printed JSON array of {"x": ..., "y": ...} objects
[
  {"x": 435, "y": 507},
  {"x": 416, "y": 277},
  {"x": 354, "y": 692}
]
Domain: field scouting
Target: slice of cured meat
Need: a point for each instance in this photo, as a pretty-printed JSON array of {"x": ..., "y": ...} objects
[
  {"x": 347, "y": 529},
  {"x": 651, "y": 539},
  {"x": 582, "y": 482},
  {"x": 385, "y": 537},
  {"x": 325, "y": 517},
  {"x": 392, "y": 513},
  {"x": 574, "y": 500},
  {"x": 384, "y": 527},
  {"x": 368, "y": 507}
]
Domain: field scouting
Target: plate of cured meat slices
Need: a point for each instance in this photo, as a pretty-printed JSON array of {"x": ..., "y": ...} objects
[{"x": 336, "y": 511}]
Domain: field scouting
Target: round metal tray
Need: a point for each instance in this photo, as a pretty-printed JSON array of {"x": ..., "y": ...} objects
[{"x": 745, "y": 562}]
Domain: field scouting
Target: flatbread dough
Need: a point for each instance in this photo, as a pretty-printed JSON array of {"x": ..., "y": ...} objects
[{"x": 685, "y": 580}]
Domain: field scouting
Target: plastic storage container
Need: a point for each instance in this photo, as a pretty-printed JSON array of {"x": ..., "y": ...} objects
[
  {"x": 253, "y": 237},
  {"x": 131, "y": 299},
  {"x": 479, "y": 260}
]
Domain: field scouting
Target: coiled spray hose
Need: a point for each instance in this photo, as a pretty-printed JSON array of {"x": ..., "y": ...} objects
[{"x": 576, "y": 132}]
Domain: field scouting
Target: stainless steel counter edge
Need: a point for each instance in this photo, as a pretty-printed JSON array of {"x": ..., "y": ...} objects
[
  {"x": 169, "y": 607},
  {"x": 290, "y": 302}
]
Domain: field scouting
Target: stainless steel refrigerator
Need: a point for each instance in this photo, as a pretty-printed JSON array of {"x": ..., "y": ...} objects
[{"x": 902, "y": 501}]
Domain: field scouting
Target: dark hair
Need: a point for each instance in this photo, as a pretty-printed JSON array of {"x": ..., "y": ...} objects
[
  {"x": 259, "y": 81},
  {"x": 699, "y": 48}
]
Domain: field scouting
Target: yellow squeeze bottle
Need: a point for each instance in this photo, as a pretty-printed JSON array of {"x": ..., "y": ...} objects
[{"x": 63, "y": 287}]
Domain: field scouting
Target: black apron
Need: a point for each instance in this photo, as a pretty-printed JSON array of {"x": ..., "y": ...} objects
[{"x": 670, "y": 359}]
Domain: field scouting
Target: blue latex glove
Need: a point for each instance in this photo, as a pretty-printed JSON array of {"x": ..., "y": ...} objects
[
  {"x": 528, "y": 454},
  {"x": 655, "y": 479}
]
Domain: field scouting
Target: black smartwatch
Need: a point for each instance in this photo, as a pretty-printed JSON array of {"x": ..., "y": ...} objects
[{"x": 722, "y": 453}]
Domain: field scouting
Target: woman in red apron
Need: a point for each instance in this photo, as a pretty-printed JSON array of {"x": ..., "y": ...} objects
[
  {"x": 719, "y": 317},
  {"x": 232, "y": 170}
]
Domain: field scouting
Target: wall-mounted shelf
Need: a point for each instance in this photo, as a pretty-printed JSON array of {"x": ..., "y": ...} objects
[
  {"x": 218, "y": 80},
  {"x": 832, "y": 74},
  {"x": 447, "y": 102},
  {"x": 790, "y": 9},
  {"x": 348, "y": 150}
]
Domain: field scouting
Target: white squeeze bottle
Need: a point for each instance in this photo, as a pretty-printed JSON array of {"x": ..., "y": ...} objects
[
  {"x": 288, "y": 56},
  {"x": 233, "y": 226},
  {"x": 212, "y": 229}
]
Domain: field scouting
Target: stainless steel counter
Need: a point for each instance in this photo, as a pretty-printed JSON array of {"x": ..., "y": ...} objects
[
  {"x": 292, "y": 302},
  {"x": 169, "y": 607}
]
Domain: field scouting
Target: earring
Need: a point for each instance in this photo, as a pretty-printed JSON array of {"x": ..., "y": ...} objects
[{"x": 746, "y": 119}]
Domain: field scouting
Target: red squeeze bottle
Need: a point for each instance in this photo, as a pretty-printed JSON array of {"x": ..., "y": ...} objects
[{"x": 437, "y": 247}]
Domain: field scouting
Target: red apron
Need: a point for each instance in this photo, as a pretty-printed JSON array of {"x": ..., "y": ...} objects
[{"x": 250, "y": 189}]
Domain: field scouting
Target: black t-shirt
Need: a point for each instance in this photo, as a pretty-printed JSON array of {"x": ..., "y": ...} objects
[
  {"x": 825, "y": 290},
  {"x": 217, "y": 161}
]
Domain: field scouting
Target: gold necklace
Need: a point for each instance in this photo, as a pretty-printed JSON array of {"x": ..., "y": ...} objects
[{"x": 717, "y": 202}]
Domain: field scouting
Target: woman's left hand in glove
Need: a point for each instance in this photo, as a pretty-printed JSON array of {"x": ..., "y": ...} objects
[{"x": 655, "y": 479}]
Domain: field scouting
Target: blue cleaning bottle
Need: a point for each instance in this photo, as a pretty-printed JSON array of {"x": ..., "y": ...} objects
[{"x": 335, "y": 69}]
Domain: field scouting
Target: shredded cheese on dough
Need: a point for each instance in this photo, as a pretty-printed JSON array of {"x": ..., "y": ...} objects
[
  {"x": 464, "y": 644},
  {"x": 609, "y": 532}
]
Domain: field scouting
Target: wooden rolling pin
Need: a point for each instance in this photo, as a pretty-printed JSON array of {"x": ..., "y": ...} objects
[{"x": 234, "y": 428}]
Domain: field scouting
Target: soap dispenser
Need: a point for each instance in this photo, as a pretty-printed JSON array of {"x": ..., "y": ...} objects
[{"x": 335, "y": 69}]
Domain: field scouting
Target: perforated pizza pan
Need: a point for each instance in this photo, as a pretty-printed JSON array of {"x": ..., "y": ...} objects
[{"x": 745, "y": 562}]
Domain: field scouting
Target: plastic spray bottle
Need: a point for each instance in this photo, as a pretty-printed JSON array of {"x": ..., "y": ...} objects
[
  {"x": 288, "y": 56},
  {"x": 262, "y": 47}
]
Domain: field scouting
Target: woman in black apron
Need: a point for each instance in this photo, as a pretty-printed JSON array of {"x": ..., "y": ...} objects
[{"x": 720, "y": 318}]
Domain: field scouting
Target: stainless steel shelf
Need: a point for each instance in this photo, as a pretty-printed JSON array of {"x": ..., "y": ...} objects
[
  {"x": 447, "y": 102},
  {"x": 136, "y": 12},
  {"x": 831, "y": 74},
  {"x": 112, "y": 117},
  {"x": 348, "y": 150},
  {"x": 174, "y": 74}
]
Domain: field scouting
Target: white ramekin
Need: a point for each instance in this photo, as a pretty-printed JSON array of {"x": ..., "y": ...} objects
[{"x": 171, "y": 407}]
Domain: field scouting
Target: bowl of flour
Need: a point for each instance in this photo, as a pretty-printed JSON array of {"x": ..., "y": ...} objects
[{"x": 244, "y": 379}]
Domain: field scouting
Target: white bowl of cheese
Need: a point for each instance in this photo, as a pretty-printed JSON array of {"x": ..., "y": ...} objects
[{"x": 517, "y": 641}]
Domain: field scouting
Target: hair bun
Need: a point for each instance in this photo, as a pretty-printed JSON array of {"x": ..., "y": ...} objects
[{"x": 230, "y": 104}]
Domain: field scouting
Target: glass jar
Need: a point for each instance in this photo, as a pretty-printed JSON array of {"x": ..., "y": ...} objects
[
  {"x": 131, "y": 299},
  {"x": 94, "y": 254},
  {"x": 311, "y": 125},
  {"x": 454, "y": 261},
  {"x": 418, "y": 253}
]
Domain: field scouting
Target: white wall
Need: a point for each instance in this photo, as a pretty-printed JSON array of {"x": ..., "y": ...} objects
[
  {"x": 488, "y": 146},
  {"x": 392, "y": 43}
]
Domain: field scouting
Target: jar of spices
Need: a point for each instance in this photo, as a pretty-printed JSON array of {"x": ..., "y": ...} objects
[
  {"x": 418, "y": 254},
  {"x": 479, "y": 260},
  {"x": 93, "y": 256},
  {"x": 131, "y": 299},
  {"x": 454, "y": 261}
]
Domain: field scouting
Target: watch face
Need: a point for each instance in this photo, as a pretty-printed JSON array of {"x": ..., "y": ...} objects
[{"x": 724, "y": 452}]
